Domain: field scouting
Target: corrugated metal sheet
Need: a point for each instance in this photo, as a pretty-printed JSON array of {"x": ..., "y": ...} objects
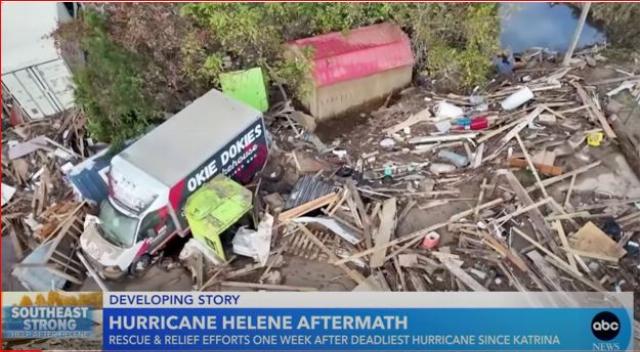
[
  {"x": 308, "y": 188},
  {"x": 361, "y": 52},
  {"x": 41, "y": 90}
]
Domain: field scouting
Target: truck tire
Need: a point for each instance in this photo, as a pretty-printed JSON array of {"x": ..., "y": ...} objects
[{"x": 140, "y": 266}]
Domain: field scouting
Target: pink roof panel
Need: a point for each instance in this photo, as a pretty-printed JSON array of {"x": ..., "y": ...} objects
[{"x": 358, "y": 53}]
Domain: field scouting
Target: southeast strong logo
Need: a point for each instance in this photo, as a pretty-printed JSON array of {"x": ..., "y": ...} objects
[{"x": 605, "y": 326}]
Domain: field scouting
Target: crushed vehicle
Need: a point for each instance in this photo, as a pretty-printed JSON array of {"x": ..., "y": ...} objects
[{"x": 150, "y": 181}]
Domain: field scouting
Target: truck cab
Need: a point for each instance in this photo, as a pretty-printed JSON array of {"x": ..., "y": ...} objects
[{"x": 133, "y": 223}]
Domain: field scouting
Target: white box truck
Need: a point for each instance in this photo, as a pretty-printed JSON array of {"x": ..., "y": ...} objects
[{"x": 150, "y": 180}]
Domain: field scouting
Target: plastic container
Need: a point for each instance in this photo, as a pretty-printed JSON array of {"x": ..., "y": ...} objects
[
  {"x": 476, "y": 123},
  {"x": 479, "y": 123},
  {"x": 456, "y": 159},
  {"x": 518, "y": 98},
  {"x": 448, "y": 110},
  {"x": 440, "y": 168}
]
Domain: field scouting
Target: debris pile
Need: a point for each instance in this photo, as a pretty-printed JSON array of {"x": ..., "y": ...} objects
[
  {"x": 507, "y": 165},
  {"x": 40, "y": 212}
]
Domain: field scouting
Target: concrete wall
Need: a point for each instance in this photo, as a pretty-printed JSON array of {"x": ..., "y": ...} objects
[{"x": 330, "y": 101}]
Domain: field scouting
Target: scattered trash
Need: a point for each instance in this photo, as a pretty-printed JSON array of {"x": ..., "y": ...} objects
[
  {"x": 595, "y": 139},
  {"x": 518, "y": 98},
  {"x": 457, "y": 159},
  {"x": 443, "y": 126},
  {"x": 439, "y": 168},
  {"x": 255, "y": 244},
  {"x": 448, "y": 110},
  {"x": 431, "y": 240},
  {"x": 7, "y": 193},
  {"x": 387, "y": 143}
]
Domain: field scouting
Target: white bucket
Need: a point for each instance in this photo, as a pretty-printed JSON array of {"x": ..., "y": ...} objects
[{"x": 518, "y": 98}]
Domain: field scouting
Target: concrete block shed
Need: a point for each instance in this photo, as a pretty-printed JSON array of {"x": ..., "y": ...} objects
[{"x": 355, "y": 68}]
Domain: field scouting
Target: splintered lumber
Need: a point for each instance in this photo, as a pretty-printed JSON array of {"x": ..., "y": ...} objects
[
  {"x": 574, "y": 274},
  {"x": 421, "y": 116},
  {"x": 576, "y": 34},
  {"x": 445, "y": 138},
  {"x": 594, "y": 110},
  {"x": 462, "y": 275},
  {"x": 540, "y": 247},
  {"x": 266, "y": 286},
  {"x": 548, "y": 170},
  {"x": 531, "y": 166},
  {"x": 504, "y": 251},
  {"x": 307, "y": 207},
  {"x": 366, "y": 223},
  {"x": 549, "y": 273},
  {"x": 536, "y": 216},
  {"x": 523, "y": 123},
  {"x": 556, "y": 179},
  {"x": 565, "y": 243},
  {"x": 93, "y": 273},
  {"x": 356, "y": 276},
  {"x": 383, "y": 235}
]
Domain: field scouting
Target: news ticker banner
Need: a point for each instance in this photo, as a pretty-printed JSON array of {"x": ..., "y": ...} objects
[{"x": 372, "y": 321}]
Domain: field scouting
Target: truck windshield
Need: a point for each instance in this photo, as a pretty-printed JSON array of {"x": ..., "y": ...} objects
[{"x": 119, "y": 229}]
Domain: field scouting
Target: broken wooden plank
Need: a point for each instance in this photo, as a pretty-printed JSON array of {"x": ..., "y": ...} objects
[
  {"x": 550, "y": 275},
  {"x": 594, "y": 110},
  {"x": 548, "y": 170},
  {"x": 434, "y": 139},
  {"x": 307, "y": 207},
  {"x": 366, "y": 223},
  {"x": 531, "y": 165},
  {"x": 421, "y": 116},
  {"x": 565, "y": 243},
  {"x": 462, "y": 275},
  {"x": 535, "y": 214},
  {"x": 383, "y": 235},
  {"x": 540, "y": 247}
]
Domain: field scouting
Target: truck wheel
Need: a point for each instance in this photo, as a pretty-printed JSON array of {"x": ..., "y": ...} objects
[{"x": 140, "y": 266}]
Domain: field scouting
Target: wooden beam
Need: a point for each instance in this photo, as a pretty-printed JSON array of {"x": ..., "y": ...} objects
[
  {"x": 462, "y": 275},
  {"x": 366, "y": 223},
  {"x": 536, "y": 215},
  {"x": 565, "y": 243},
  {"x": 576, "y": 34},
  {"x": 383, "y": 235},
  {"x": 594, "y": 110},
  {"x": 307, "y": 207}
]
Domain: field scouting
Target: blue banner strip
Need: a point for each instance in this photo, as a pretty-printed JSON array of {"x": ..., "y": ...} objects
[{"x": 371, "y": 329}]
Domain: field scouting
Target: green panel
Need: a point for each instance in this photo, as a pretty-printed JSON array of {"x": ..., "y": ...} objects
[
  {"x": 214, "y": 208},
  {"x": 246, "y": 86}
]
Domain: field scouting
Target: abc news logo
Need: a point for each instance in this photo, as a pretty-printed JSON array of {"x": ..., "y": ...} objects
[{"x": 605, "y": 326}]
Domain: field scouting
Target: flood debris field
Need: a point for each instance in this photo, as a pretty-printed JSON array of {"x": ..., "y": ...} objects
[{"x": 429, "y": 192}]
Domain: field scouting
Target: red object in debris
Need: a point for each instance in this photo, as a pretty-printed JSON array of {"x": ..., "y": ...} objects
[
  {"x": 479, "y": 123},
  {"x": 431, "y": 240},
  {"x": 16, "y": 118},
  {"x": 360, "y": 52}
]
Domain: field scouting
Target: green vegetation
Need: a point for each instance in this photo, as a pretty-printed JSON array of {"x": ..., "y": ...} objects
[
  {"x": 148, "y": 59},
  {"x": 620, "y": 22},
  {"x": 108, "y": 86}
]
